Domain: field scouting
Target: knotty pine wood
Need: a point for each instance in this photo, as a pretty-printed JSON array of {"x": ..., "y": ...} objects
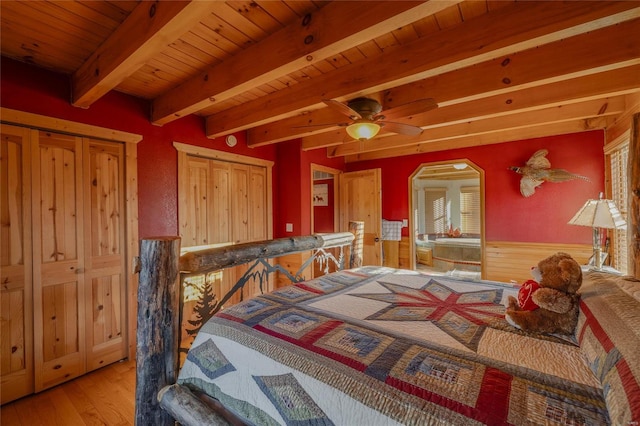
[
  {"x": 390, "y": 256},
  {"x": 77, "y": 292},
  {"x": 16, "y": 294},
  {"x": 361, "y": 201},
  {"x": 512, "y": 261},
  {"x": 102, "y": 397},
  {"x": 129, "y": 141}
]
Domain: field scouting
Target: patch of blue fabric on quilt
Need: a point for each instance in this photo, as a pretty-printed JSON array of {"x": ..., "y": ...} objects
[
  {"x": 210, "y": 360},
  {"x": 291, "y": 400}
]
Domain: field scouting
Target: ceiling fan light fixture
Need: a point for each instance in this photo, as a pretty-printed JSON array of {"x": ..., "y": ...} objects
[{"x": 363, "y": 130}]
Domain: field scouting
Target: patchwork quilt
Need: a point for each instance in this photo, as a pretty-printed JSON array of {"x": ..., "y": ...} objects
[{"x": 376, "y": 346}]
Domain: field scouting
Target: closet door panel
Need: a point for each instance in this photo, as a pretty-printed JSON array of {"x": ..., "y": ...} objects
[
  {"x": 240, "y": 179},
  {"x": 105, "y": 262},
  {"x": 258, "y": 204},
  {"x": 196, "y": 215},
  {"x": 220, "y": 202},
  {"x": 61, "y": 353},
  {"x": 16, "y": 309},
  {"x": 58, "y": 267}
]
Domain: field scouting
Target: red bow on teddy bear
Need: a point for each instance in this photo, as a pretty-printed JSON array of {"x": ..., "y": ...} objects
[{"x": 525, "y": 295}]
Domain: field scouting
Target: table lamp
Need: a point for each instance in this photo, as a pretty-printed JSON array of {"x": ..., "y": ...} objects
[{"x": 600, "y": 213}]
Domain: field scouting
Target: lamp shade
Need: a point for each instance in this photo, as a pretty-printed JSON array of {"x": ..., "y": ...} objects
[
  {"x": 599, "y": 213},
  {"x": 363, "y": 129}
]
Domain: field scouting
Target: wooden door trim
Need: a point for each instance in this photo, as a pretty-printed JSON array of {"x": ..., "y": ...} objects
[
  {"x": 42, "y": 122},
  {"x": 221, "y": 155}
]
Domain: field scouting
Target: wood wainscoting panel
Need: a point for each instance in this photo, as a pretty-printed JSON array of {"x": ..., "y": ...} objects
[
  {"x": 391, "y": 253},
  {"x": 512, "y": 261},
  {"x": 404, "y": 253}
]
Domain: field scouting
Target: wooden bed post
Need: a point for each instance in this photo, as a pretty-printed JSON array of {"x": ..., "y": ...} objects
[
  {"x": 355, "y": 257},
  {"x": 158, "y": 335}
]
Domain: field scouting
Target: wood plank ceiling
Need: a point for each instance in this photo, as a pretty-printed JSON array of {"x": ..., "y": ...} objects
[{"x": 498, "y": 70}]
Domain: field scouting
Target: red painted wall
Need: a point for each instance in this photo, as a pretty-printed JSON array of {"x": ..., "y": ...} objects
[
  {"x": 542, "y": 217},
  {"x": 509, "y": 216},
  {"x": 294, "y": 186},
  {"x": 323, "y": 216},
  {"x": 34, "y": 90}
]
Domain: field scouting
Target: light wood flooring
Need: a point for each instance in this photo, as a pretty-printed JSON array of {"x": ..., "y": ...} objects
[{"x": 102, "y": 397}]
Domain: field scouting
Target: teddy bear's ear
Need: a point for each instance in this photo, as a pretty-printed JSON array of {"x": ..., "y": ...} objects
[
  {"x": 570, "y": 273},
  {"x": 565, "y": 270}
]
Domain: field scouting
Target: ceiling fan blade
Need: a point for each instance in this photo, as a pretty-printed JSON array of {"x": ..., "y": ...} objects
[
  {"x": 410, "y": 108},
  {"x": 405, "y": 129},
  {"x": 342, "y": 109},
  {"x": 322, "y": 125}
]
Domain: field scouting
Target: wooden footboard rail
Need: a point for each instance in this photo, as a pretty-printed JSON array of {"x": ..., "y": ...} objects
[{"x": 159, "y": 313}]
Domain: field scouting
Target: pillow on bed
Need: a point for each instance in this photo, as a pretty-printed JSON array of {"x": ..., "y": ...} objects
[{"x": 608, "y": 333}]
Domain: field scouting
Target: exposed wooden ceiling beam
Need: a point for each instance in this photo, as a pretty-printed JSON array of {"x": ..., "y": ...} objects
[
  {"x": 313, "y": 38},
  {"x": 591, "y": 112},
  {"x": 539, "y": 131},
  {"x": 512, "y": 30},
  {"x": 561, "y": 60},
  {"x": 611, "y": 83},
  {"x": 147, "y": 31}
]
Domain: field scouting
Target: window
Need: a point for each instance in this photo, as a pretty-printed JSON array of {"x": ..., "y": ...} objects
[
  {"x": 619, "y": 159},
  {"x": 435, "y": 206},
  {"x": 470, "y": 210}
]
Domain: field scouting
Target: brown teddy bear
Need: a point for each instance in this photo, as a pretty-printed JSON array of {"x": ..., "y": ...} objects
[{"x": 552, "y": 302}]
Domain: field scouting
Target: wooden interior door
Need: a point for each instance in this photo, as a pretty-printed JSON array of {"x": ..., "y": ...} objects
[
  {"x": 16, "y": 307},
  {"x": 105, "y": 295},
  {"x": 361, "y": 200},
  {"x": 58, "y": 259}
]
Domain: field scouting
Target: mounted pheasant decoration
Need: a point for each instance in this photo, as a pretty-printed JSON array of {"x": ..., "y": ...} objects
[{"x": 538, "y": 170}]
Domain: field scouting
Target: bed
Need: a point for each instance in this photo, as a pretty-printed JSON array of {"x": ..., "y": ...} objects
[{"x": 374, "y": 345}]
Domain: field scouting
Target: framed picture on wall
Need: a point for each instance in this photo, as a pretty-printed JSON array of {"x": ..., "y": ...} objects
[{"x": 321, "y": 194}]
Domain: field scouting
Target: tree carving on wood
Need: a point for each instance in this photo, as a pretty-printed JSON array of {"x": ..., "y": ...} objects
[{"x": 204, "y": 309}]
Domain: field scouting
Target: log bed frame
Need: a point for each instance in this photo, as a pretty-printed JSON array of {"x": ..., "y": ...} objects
[
  {"x": 158, "y": 331},
  {"x": 159, "y": 400}
]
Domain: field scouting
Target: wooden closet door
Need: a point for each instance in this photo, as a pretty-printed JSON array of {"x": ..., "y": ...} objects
[
  {"x": 58, "y": 253},
  {"x": 104, "y": 223},
  {"x": 16, "y": 307}
]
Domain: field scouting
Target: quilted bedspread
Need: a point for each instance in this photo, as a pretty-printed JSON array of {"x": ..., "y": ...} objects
[{"x": 375, "y": 346}]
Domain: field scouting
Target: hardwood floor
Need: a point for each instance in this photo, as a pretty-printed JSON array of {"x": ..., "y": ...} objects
[{"x": 102, "y": 397}]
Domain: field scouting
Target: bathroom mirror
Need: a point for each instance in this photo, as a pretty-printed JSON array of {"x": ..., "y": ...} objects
[{"x": 446, "y": 224}]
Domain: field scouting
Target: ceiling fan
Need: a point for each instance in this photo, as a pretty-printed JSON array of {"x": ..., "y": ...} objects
[{"x": 368, "y": 117}]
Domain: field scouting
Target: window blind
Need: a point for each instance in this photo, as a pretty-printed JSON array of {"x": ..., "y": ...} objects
[
  {"x": 435, "y": 210},
  {"x": 470, "y": 210},
  {"x": 619, "y": 194}
]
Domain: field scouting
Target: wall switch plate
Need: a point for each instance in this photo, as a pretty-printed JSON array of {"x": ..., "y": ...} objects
[
  {"x": 289, "y": 227},
  {"x": 405, "y": 223}
]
